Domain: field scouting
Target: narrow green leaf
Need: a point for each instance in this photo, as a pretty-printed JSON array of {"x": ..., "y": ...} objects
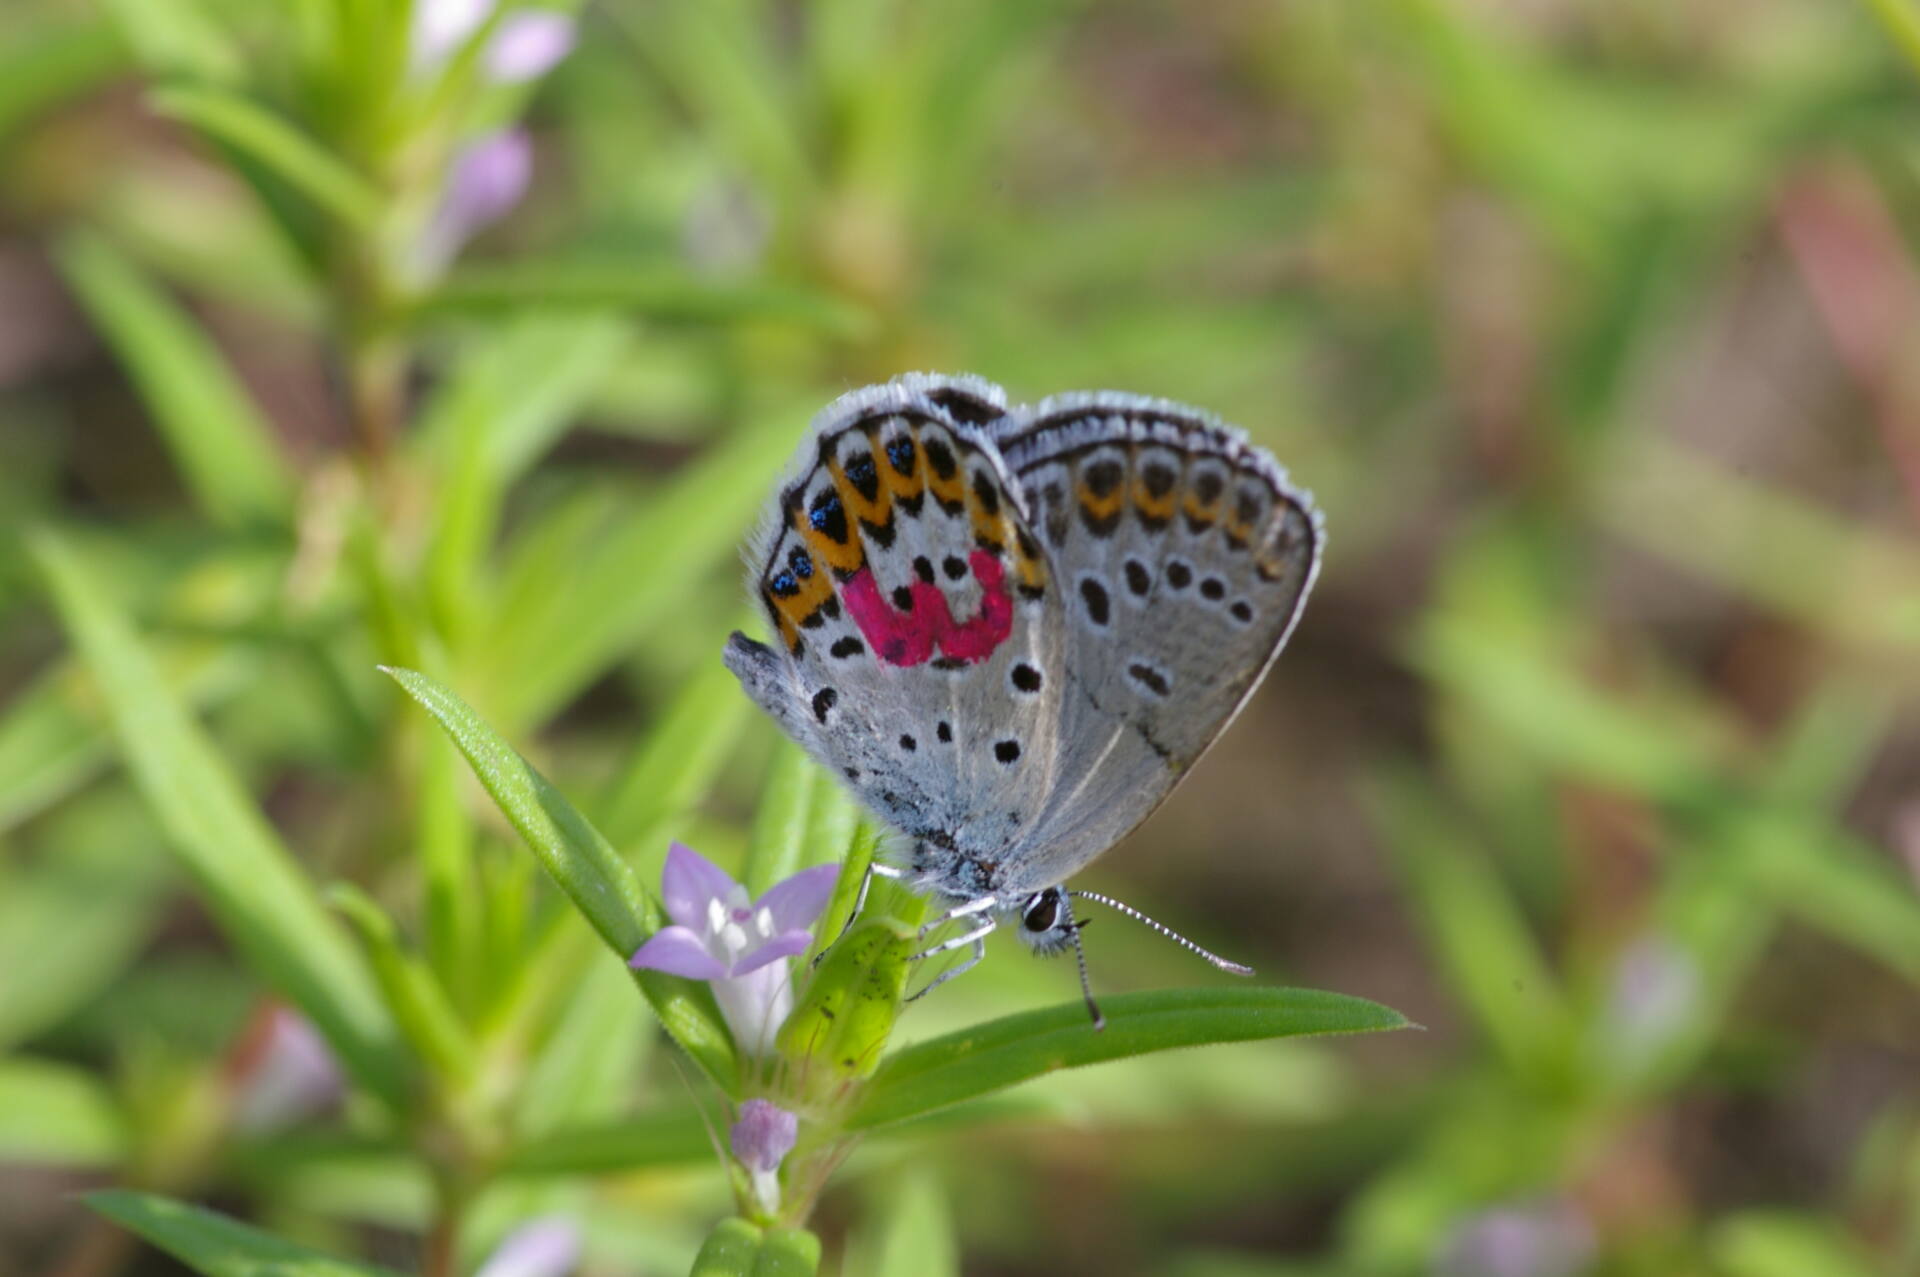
[
  {"x": 600, "y": 884},
  {"x": 445, "y": 838},
  {"x": 73, "y": 918},
  {"x": 679, "y": 1136},
  {"x": 1489, "y": 953},
  {"x": 510, "y": 396},
  {"x": 222, "y": 444},
  {"x": 249, "y": 880},
  {"x": 177, "y": 38},
  {"x": 58, "y": 1115},
  {"x": 584, "y": 1070},
  {"x": 780, "y": 822},
  {"x": 418, "y": 1003},
  {"x": 277, "y": 146},
  {"x": 833, "y": 819},
  {"x": 909, "y": 1231},
  {"x": 846, "y": 888},
  {"x": 551, "y": 642},
  {"x": 218, "y": 1246},
  {"x": 676, "y": 762},
  {"x": 989, "y": 1057},
  {"x": 51, "y": 63},
  {"x": 1782, "y": 1243},
  {"x": 643, "y": 291}
]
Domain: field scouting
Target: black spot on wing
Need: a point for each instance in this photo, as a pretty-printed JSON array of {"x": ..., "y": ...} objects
[{"x": 1094, "y": 595}]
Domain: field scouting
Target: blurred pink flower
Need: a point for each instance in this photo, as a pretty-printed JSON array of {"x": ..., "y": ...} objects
[
  {"x": 761, "y": 1139},
  {"x": 1528, "y": 1239},
  {"x": 736, "y": 944},
  {"x": 487, "y": 180},
  {"x": 283, "y": 1072},
  {"x": 526, "y": 44},
  {"x": 544, "y": 1247}
]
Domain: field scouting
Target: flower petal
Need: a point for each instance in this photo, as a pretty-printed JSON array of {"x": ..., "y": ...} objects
[
  {"x": 764, "y": 1135},
  {"x": 528, "y": 45},
  {"x": 785, "y": 945},
  {"x": 546, "y": 1247},
  {"x": 688, "y": 882},
  {"x": 677, "y": 951},
  {"x": 797, "y": 902}
]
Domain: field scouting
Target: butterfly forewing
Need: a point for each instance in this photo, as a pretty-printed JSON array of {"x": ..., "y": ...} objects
[{"x": 917, "y": 630}]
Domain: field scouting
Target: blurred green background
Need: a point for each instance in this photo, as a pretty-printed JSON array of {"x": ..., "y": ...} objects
[{"x": 1594, "y": 325}]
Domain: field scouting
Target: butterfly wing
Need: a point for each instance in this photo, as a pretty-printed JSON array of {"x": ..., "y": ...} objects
[
  {"x": 1183, "y": 557},
  {"x": 918, "y": 637}
]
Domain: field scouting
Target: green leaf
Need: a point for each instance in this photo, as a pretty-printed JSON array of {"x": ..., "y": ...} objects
[
  {"x": 57, "y": 1115},
  {"x": 45, "y": 65},
  {"x": 175, "y": 38},
  {"x": 978, "y": 1061},
  {"x": 218, "y": 1246},
  {"x": 223, "y": 446},
  {"x": 675, "y": 764},
  {"x": 644, "y": 291},
  {"x": 780, "y": 822},
  {"x": 586, "y": 867},
  {"x": 551, "y": 642},
  {"x": 1491, "y": 960},
  {"x": 846, "y": 888},
  {"x": 73, "y": 918},
  {"x": 909, "y": 1231},
  {"x": 1782, "y": 1243},
  {"x": 584, "y": 1070},
  {"x": 510, "y": 396},
  {"x": 680, "y": 1136},
  {"x": 418, "y": 1003},
  {"x": 250, "y": 882},
  {"x": 276, "y": 145}
]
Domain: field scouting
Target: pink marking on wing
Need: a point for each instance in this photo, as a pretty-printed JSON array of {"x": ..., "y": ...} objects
[
  {"x": 977, "y": 639},
  {"x": 908, "y": 638},
  {"x": 898, "y": 638}
]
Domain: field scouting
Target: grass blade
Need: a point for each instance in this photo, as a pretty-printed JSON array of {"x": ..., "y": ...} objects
[
  {"x": 218, "y": 1246},
  {"x": 277, "y": 146},
  {"x": 600, "y": 884},
  {"x": 58, "y": 1115},
  {"x": 223, "y": 446},
  {"x": 247, "y": 877},
  {"x": 990, "y": 1057}
]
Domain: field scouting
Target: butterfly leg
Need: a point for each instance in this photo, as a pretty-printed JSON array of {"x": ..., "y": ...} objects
[
  {"x": 860, "y": 902},
  {"x": 977, "y": 938},
  {"x": 983, "y": 904}
]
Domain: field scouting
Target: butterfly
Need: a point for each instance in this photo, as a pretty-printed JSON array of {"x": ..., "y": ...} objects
[{"x": 1013, "y": 630}]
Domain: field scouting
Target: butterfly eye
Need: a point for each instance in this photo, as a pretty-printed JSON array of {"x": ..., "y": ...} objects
[{"x": 1043, "y": 913}]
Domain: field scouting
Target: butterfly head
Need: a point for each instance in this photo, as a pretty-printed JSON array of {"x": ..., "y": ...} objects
[{"x": 1046, "y": 922}]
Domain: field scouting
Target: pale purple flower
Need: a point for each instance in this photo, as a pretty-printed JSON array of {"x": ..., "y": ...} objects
[
  {"x": 738, "y": 945},
  {"x": 1529, "y": 1239},
  {"x": 285, "y": 1072},
  {"x": 544, "y": 1247},
  {"x": 1657, "y": 990},
  {"x": 487, "y": 180},
  {"x": 761, "y": 1139},
  {"x": 526, "y": 44}
]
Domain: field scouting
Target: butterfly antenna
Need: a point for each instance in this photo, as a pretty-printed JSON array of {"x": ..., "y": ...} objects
[
  {"x": 1080, "y": 956},
  {"x": 1166, "y": 931}
]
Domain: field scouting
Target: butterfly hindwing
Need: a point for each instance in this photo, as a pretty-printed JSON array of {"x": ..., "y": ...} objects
[
  {"x": 918, "y": 637},
  {"x": 1183, "y": 557}
]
